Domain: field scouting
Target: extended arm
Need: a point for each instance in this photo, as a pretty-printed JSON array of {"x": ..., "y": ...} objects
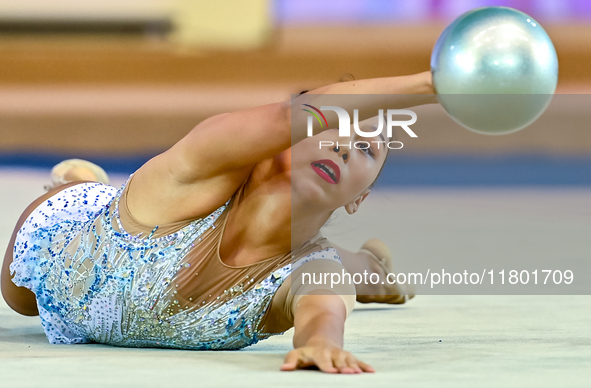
[
  {"x": 367, "y": 96},
  {"x": 237, "y": 141},
  {"x": 319, "y": 322}
]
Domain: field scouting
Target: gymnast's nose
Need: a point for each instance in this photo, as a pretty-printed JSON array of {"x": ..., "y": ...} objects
[{"x": 342, "y": 153}]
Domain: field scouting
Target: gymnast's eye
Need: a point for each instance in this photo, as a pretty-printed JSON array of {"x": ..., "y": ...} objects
[
  {"x": 367, "y": 150},
  {"x": 364, "y": 145}
]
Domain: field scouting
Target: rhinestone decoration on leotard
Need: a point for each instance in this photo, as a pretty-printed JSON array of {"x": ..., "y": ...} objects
[{"x": 97, "y": 283}]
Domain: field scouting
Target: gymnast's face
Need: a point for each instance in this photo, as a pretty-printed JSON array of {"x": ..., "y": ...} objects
[{"x": 328, "y": 177}]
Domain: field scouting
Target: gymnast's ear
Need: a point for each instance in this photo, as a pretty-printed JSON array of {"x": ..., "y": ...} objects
[{"x": 353, "y": 206}]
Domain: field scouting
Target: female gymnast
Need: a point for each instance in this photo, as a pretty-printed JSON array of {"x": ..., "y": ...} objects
[{"x": 204, "y": 245}]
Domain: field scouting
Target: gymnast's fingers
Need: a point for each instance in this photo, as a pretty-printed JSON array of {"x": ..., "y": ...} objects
[
  {"x": 365, "y": 367},
  {"x": 353, "y": 364},
  {"x": 291, "y": 361},
  {"x": 340, "y": 362},
  {"x": 324, "y": 361}
]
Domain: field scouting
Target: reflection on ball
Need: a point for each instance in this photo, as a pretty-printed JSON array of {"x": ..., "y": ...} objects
[{"x": 494, "y": 69}]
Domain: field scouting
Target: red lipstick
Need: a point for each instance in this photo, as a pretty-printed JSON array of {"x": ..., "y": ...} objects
[{"x": 327, "y": 170}]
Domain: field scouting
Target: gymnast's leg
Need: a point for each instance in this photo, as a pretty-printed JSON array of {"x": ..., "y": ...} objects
[
  {"x": 375, "y": 257},
  {"x": 21, "y": 299}
]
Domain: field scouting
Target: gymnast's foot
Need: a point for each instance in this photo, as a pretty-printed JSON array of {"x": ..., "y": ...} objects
[
  {"x": 73, "y": 170},
  {"x": 379, "y": 260}
]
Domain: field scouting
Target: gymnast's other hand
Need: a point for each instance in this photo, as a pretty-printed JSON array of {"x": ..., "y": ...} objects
[
  {"x": 319, "y": 323},
  {"x": 329, "y": 359}
]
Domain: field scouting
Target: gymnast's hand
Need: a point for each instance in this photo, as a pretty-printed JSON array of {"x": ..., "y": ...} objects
[
  {"x": 329, "y": 359},
  {"x": 319, "y": 322}
]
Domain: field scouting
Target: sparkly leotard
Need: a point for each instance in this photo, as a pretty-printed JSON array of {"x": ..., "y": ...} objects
[{"x": 95, "y": 282}]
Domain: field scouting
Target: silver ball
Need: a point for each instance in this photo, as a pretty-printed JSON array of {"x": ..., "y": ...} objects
[{"x": 495, "y": 70}]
